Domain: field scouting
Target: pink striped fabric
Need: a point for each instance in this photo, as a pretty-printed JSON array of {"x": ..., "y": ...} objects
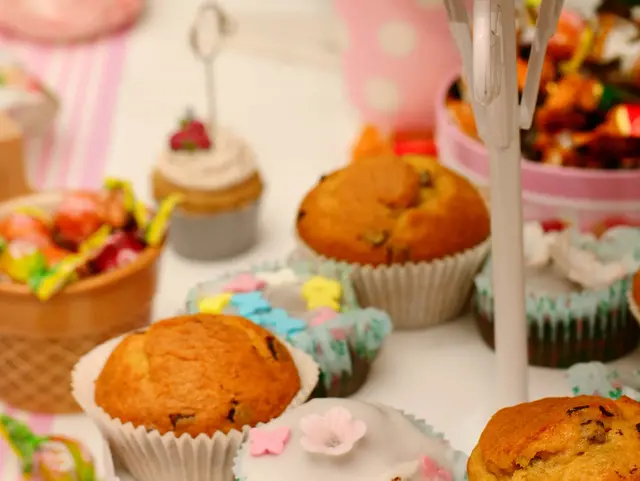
[
  {"x": 85, "y": 78},
  {"x": 74, "y": 153}
]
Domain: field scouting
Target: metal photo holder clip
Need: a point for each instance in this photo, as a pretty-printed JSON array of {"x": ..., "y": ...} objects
[{"x": 210, "y": 28}]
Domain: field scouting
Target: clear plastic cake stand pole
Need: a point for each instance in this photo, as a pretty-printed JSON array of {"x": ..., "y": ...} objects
[{"x": 489, "y": 59}]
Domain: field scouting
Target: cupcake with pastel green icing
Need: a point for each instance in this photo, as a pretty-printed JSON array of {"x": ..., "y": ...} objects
[
  {"x": 576, "y": 295},
  {"x": 313, "y": 307},
  {"x": 347, "y": 440}
]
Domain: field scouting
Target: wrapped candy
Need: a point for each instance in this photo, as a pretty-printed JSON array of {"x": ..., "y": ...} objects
[
  {"x": 158, "y": 226},
  {"x": 67, "y": 269},
  {"x": 82, "y": 213},
  {"x": 414, "y": 143},
  {"x": 21, "y": 260},
  {"x": 623, "y": 120},
  {"x": 371, "y": 143},
  {"x": 548, "y": 73},
  {"x": 462, "y": 113},
  {"x": 121, "y": 249},
  {"x": 78, "y": 216},
  {"x": 47, "y": 458},
  {"x": 123, "y": 186},
  {"x": 25, "y": 225},
  {"x": 617, "y": 40}
]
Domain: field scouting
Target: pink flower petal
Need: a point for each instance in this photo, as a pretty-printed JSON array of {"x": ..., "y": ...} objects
[
  {"x": 272, "y": 441},
  {"x": 244, "y": 283},
  {"x": 322, "y": 315}
]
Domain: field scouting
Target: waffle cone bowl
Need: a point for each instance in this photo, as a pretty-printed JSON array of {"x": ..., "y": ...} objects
[{"x": 40, "y": 342}]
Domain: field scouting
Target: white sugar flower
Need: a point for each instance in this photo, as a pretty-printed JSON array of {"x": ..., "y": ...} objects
[{"x": 278, "y": 278}]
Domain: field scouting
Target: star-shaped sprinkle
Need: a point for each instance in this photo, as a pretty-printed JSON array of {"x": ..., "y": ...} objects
[
  {"x": 322, "y": 315},
  {"x": 281, "y": 277},
  {"x": 215, "y": 304},
  {"x": 244, "y": 283},
  {"x": 250, "y": 303},
  {"x": 262, "y": 441},
  {"x": 322, "y": 292},
  {"x": 281, "y": 322},
  {"x": 330, "y": 287}
]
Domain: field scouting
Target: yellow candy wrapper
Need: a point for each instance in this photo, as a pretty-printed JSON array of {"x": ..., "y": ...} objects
[
  {"x": 91, "y": 247},
  {"x": 141, "y": 215},
  {"x": 111, "y": 183},
  {"x": 20, "y": 260},
  {"x": 62, "y": 274},
  {"x": 35, "y": 213},
  {"x": 160, "y": 223}
]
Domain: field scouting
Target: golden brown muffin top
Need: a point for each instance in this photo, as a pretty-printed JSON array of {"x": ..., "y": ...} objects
[
  {"x": 584, "y": 438},
  {"x": 387, "y": 209},
  {"x": 198, "y": 374}
]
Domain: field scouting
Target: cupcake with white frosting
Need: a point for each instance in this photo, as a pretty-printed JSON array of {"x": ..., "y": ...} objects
[
  {"x": 218, "y": 177},
  {"x": 576, "y": 295},
  {"x": 343, "y": 439}
]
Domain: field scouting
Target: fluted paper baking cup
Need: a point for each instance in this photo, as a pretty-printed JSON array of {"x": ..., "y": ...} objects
[
  {"x": 415, "y": 295},
  {"x": 633, "y": 306},
  {"x": 150, "y": 456},
  {"x": 565, "y": 329}
]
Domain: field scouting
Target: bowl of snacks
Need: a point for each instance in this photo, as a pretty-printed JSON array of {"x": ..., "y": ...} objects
[
  {"x": 581, "y": 159},
  {"x": 78, "y": 268}
]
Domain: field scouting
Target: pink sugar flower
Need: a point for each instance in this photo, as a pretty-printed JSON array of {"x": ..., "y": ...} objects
[
  {"x": 263, "y": 441},
  {"x": 244, "y": 283},
  {"x": 333, "y": 434},
  {"x": 433, "y": 472},
  {"x": 322, "y": 315}
]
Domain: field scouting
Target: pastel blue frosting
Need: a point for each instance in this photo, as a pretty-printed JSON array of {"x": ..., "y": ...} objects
[{"x": 367, "y": 328}]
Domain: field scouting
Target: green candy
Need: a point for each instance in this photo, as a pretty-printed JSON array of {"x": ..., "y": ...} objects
[{"x": 47, "y": 458}]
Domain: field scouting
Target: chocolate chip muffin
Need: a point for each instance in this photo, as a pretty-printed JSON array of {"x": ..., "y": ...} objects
[
  {"x": 198, "y": 374},
  {"x": 388, "y": 209},
  {"x": 400, "y": 220},
  {"x": 584, "y": 438}
]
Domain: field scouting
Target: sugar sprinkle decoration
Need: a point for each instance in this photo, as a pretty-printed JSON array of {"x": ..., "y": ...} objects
[
  {"x": 280, "y": 277},
  {"x": 322, "y": 315},
  {"x": 582, "y": 266},
  {"x": 333, "y": 434},
  {"x": 433, "y": 472},
  {"x": 244, "y": 283},
  {"x": 264, "y": 441}
]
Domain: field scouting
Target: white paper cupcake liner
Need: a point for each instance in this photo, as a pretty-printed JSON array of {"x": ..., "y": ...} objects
[
  {"x": 150, "y": 456},
  {"x": 415, "y": 295},
  {"x": 633, "y": 306}
]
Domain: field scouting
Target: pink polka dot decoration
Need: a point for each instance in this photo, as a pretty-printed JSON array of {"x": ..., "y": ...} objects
[
  {"x": 398, "y": 54},
  {"x": 63, "y": 21}
]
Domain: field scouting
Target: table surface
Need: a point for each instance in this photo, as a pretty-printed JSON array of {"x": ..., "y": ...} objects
[{"x": 300, "y": 124}]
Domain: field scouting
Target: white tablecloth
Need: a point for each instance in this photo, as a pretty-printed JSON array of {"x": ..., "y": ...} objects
[{"x": 300, "y": 124}]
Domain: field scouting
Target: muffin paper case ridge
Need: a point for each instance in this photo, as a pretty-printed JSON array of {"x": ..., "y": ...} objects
[
  {"x": 415, "y": 295},
  {"x": 633, "y": 306},
  {"x": 365, "y": 328},
  {"x": 582, "y": 325},
  {"x": 456, "y": 460},
  {"x": 596, "y": 379},
  {"x": 150, "y": 456}
]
